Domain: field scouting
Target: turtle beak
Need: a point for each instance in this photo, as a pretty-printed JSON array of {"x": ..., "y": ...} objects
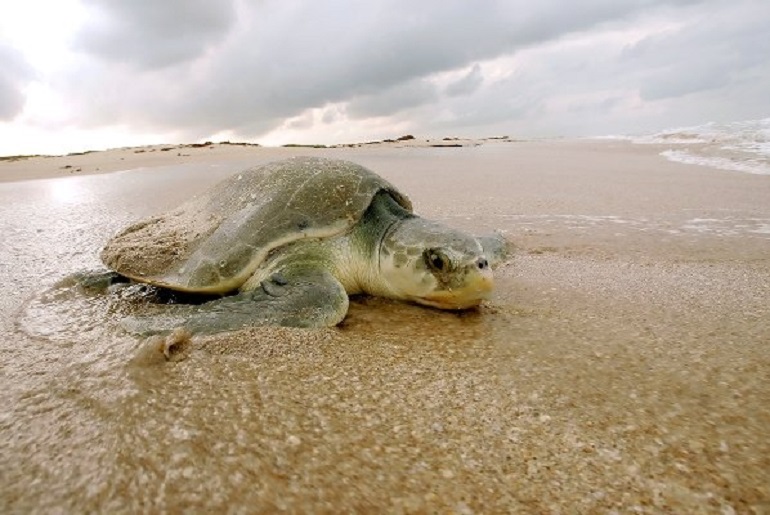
[{"x": 477, "y": 287}]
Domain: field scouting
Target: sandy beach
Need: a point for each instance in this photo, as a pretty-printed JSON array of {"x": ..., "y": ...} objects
[{"x": 621, "y": 365}]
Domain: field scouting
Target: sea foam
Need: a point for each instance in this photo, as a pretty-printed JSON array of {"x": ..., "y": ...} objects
[{"x": 742, "y": 146}]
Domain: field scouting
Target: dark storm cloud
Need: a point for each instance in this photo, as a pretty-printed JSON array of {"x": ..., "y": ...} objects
[
  {"x": 154, "y": 33},
  {"x": 281, "y": 58},
  {"x": 14, "y": 74},
  {"x": 538, "y": 68}
]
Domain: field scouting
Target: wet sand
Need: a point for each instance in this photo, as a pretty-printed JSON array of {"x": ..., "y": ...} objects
[{"x": 622, "y": 363}]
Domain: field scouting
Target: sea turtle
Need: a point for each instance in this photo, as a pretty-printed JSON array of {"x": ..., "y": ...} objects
[{"x": 286, "y": 243}]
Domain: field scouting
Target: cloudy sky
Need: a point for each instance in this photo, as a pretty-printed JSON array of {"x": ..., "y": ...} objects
[{"x": 82, "y": 74}]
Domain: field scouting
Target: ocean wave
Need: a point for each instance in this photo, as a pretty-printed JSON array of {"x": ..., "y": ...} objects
[
  {"x": 754, "y": 166},
  {"x": 742, "y": 146}
]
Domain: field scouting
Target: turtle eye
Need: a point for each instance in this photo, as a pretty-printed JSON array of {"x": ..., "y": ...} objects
[{"x": 437, "y": 260}]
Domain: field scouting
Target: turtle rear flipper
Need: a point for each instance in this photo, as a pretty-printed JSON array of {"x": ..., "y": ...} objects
[
  {"x": 94, "y": 281},
  {"x": 291, "y": 298}
]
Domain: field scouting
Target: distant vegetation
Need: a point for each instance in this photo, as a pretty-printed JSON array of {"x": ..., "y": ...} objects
[
  {"x": 18, "y": 158},
  {"x": 240, "y": 144},
  {"x": 444, "y": 142},
  {"x": 300, "y": 145}
]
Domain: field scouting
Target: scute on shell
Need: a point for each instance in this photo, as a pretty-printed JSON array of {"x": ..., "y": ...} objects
[{"x": 215, "y": 241}]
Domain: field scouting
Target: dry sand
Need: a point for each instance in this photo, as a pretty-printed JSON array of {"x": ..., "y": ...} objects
[
  {"x": 20, "y": 168},
  {"x": 622, "y": 364}
]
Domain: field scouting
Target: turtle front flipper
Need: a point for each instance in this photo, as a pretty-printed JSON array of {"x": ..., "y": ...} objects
[{"x": 290, "y": 298}]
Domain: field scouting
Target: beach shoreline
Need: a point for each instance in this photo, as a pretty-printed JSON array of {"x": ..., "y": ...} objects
[
  {"x": 22, "y": 167},
  {"x": 620, "y": 365}
]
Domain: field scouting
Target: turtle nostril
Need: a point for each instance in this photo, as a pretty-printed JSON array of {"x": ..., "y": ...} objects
[{"x": 482, "y": 263}]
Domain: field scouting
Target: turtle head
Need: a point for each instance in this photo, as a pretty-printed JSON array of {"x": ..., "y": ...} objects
[{"x": 431, "y": 264}]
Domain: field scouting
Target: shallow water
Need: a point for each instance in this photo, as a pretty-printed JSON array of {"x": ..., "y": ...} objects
[{"x": 621, "y": 362}]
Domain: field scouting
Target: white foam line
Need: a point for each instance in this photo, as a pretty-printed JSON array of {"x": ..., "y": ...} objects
[{"x": 720, "y": 163}]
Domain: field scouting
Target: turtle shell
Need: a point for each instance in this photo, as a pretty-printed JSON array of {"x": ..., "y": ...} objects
[{"x": 215, "y": 241}]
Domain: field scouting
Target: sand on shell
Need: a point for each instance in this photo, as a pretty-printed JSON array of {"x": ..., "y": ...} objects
[{"x": 622, "y": 364}]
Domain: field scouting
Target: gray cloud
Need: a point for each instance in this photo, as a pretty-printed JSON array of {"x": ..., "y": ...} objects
[
  {"x": 289, "y": 56},
  {"x": 302, "y": 122},
  {"x": 704, "y": 62},
  {"x": 393, "y": 100},
  {"x": 708, "y": 53},
  {"x": 248, "y": 73},
  {"x": 504, "y": 101},
  {"x": 332, "y": 115},
  {"x": 151, "y": 33},
  {"x": 14, "y": 74},
  {"x": 467, "y": 84}
]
